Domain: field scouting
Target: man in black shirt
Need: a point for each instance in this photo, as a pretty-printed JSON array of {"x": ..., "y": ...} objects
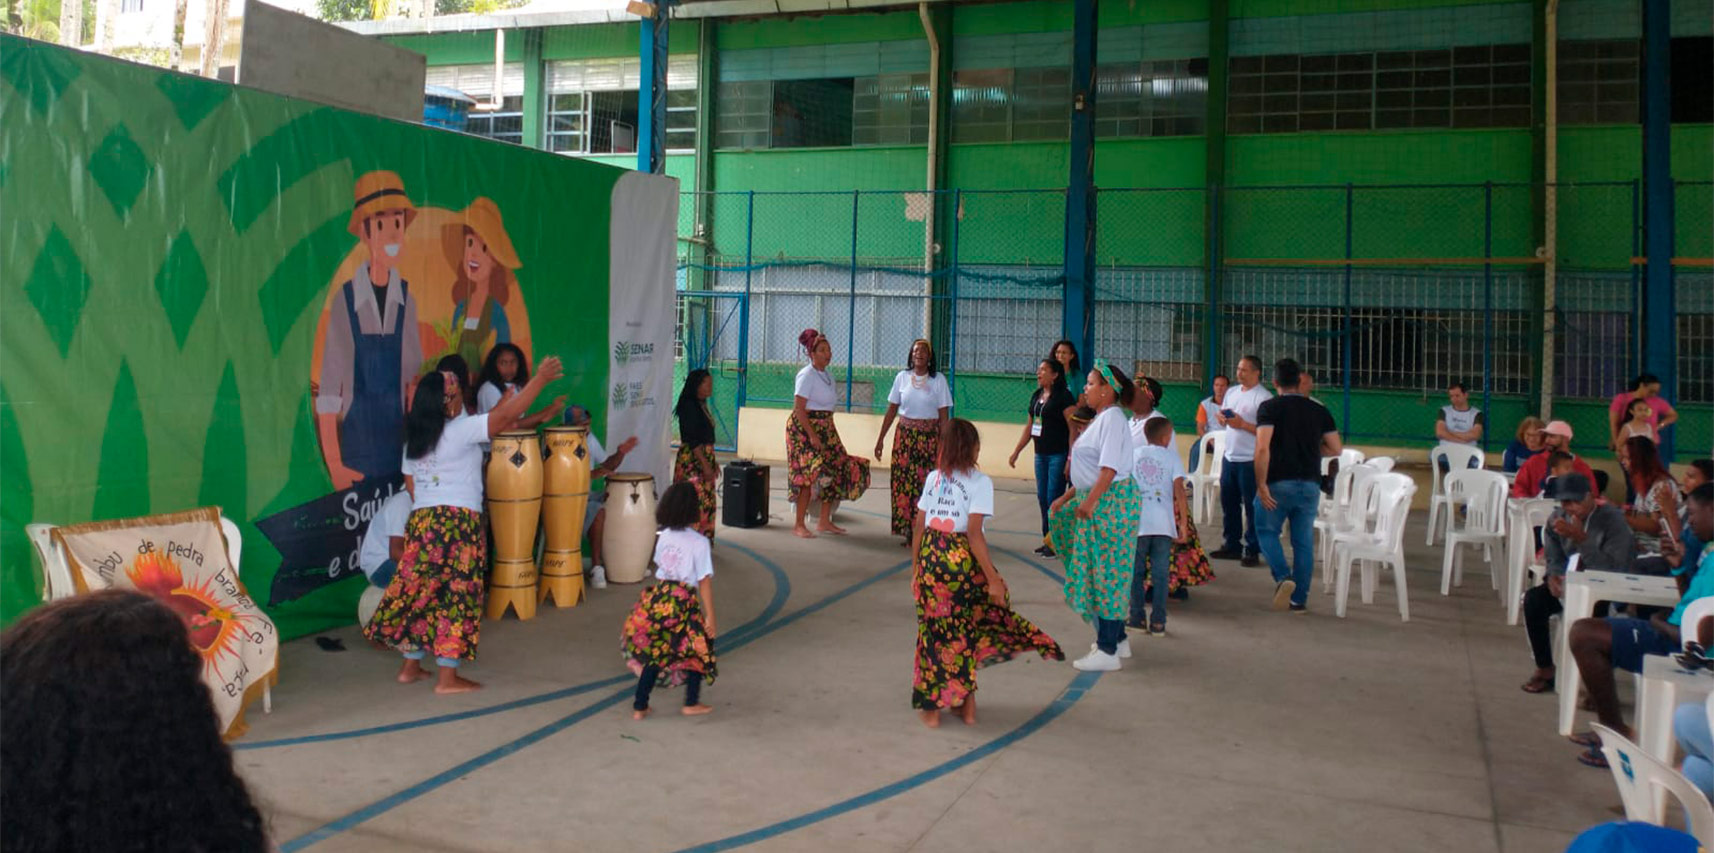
[{"x": 1293, "y": 432}]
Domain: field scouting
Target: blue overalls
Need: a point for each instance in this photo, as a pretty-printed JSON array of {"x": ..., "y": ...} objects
[{"x": 371, "y": 438}]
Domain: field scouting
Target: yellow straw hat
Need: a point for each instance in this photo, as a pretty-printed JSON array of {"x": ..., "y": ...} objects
[
  {"x": 379, "y": 192},
  {"x": 482, "y": 217}
]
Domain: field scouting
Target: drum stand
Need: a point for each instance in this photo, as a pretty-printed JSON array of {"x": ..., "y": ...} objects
[
  {"x": 562, "y": 578},
  {"x": 513, "y": 585}
]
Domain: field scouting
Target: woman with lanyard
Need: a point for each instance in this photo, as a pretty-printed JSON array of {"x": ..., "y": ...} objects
[
  {"x": 1049, "y": 429},
  {"x": 920, "y": 391},
  {"x": 434, "y": 601},
  {"x": 1094, "y": 525},
  {"x": 964, "y": 614},
  {"x": 695, "y": 461},
  {"x": 816, "y": 459}
]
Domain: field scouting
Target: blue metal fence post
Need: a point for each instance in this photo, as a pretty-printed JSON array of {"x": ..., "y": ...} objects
[
  {"x": 744, "y": 310},
  {"x": 1487, "y": 307},
  {"x": 1660, "y": 311},
  {"x": 1345, "y": 330},
  {"x": 1211, "y": 323},
  {"x": 652, "y": 91},
  {"x": 952, "y": 336},
  {"x": 1636, "y": 279},
  {"x": 851, "y": 316},
  {"x": 1079, "y": 256}
]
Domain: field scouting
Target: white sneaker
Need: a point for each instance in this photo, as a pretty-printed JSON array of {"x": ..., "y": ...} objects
[
  {"x": 598, "y": 577},
  {"x": 1097, "y": 661},
  {"x": 1123, "y": 652}
]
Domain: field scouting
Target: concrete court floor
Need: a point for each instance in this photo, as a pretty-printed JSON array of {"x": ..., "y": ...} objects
[{"x": 1243, "y": 729}]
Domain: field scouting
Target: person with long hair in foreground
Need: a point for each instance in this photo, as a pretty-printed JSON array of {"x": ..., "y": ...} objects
[{"x": 110, "y": 741}]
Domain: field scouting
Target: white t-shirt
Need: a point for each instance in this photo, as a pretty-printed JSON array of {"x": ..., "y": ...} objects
[
  {"x": 1139, "y": 430},
  {"x": 1209, "y": 408},
  {"x": 1241, "y": 445},
  {"x": 816, "y": 387},
  {"x": 1156, "y": 470},
  {"x": 450, "y": 474},
  {"x": 683, "y": 556},
  {"x": 389, "y": 521},
  {"x": 488, "y": 396},
  {"x": 948, "y": 500},
  {"x": 1106, "y": 443},
  {"x": 925, "y": 403},
  {"x": 1460, "y": 421}
]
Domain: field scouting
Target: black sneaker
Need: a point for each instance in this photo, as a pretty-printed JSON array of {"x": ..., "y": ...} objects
[
  {"x": 1300, "y": 608},
  {"x": 1042, "y": 551},
  {"x": 1282, "y": 593},
  {"x": 1224, "y": 554},
  {"x": 1250, "y": 561},
  {"x": 1137, "y": 625}
]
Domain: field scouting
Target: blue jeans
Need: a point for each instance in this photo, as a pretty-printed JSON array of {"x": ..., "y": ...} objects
[
  {"x": 1154, "y": 566},
  {"x": 1238, "y": 492},
  {"x": 383, "y": 574},
  {"x": 1109, "y": 633},
  {"x": 1295, "y": 501},
  {"x": 1050, "y": 483},
  {"x": 1690, "y": 724},
  {"x": 449, "y": 663}
]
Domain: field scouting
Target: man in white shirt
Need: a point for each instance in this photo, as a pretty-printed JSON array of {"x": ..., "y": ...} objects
[
  {"x": 1458, "y": 423},
  {"x": 601, "y": 464},
  {"x": 1238, "y": 478}
]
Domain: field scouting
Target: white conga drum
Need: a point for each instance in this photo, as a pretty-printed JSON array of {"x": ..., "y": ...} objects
[
  {"x": 514, "y": 484},
  {"x": 565, "y": 497},
  {"x": 629, "y": 540},
  {"x": 367, "y": 603}
]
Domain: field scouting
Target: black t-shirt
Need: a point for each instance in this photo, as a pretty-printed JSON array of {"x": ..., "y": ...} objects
[
  {"x": 1049, "y": 411},
  {"x": 1299, "y": 423},
  {"x": 694, "y": 427}
]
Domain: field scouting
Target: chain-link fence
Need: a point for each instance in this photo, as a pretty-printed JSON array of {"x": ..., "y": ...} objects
[{"x": 1387, "y": 294}]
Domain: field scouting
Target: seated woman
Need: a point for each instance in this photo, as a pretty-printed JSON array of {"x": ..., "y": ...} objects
[{"x": 1525, "y": 444}]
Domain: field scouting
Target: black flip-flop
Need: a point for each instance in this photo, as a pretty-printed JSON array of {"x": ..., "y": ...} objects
[
  {"x": 1590, "y": 740},
  {"x": 1593, "y": 758}
]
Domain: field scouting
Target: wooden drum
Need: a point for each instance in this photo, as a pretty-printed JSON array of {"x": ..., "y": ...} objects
[
  {"x": 629, "y": 537},
  {"x": 514, "y": 482},
  {"x": 565, "y": 498}
]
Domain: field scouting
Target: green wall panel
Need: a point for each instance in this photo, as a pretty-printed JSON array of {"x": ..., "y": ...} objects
[
  {"x": 786, "y": 31},
  {"x": 1281, "y": 8},
  {"x": 460, "y": 48}
]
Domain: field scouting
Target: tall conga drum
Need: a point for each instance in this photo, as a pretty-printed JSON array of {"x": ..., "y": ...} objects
[
  {"x": 514, "y": 505},
  {"x": 629, "y": 537},
  {"x": 565, "y": 497}
]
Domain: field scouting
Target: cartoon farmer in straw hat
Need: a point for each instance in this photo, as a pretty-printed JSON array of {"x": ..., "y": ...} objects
[
  {"x": 481, "y": 252},
  {"x": 372, "y": 349}
]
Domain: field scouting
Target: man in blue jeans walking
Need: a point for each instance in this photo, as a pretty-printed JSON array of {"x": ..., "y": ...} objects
[{"x": 1293, "y": 432}]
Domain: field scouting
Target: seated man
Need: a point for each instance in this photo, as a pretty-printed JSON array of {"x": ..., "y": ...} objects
[
  {"x": 1600, "y": 645},
  {"x": 1602, "y": 541},
  {"x": 1458, "y": 423},
  {"x": 1555, "y": 437},
  {"x": 601, "y": 464},
  {"x": 384, "y": 541}
]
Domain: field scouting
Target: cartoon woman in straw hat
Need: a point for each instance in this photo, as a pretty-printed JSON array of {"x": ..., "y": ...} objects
[
  {"x": 479, "y": 249},
  {"x": 372, "y": 348}
]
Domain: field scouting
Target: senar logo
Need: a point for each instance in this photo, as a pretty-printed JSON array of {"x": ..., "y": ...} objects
[{"x": 625, "y": 352}]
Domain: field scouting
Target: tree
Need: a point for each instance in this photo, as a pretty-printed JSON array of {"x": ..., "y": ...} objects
[{"x": 343, "y": 10}]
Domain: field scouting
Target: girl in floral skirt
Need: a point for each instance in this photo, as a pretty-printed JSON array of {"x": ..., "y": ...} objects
[
  {"x": 964, "y": 616},
  {"x": 669, "y": 637},
  {"x": 921, "y": 402},
  {"x": 816, "y": 459}
]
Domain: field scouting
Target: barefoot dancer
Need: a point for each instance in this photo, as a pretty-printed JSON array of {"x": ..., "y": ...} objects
[
  {"x": 817, "y": 459},
  {"x": 669, "y": 637},
  {"x": 921, "y": 402},
  {"x": 964, "y": 616},
  {"x": 434, "y": 601}
]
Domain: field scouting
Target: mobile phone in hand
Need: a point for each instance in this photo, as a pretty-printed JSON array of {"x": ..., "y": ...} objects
[
  {"x": 1665, "y": 529},
  {"x": 1228, "y": 413}
]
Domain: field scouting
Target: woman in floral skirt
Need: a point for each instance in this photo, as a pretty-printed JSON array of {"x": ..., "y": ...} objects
[
  {"x": 434, "y": 602},
  {"x": 964, "y": 615},
  {"x": 1094, "y": 524},
  {"x": 695, "y": 462},
  {"x": 816, "y": 459},
  {"x": 921, "y": 401},
  {"x": 669, "y": 637}
]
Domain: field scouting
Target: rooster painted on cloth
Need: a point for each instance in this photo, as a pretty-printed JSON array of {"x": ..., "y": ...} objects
[{"x": 213, "y": 628}]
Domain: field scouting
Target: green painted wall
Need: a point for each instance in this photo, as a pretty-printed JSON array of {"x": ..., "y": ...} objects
[
  {"x": 1283, "y": 8},
  {"x": 459, "y": 48},
  {"x": 604, "y": 40},
  {"x": 786, "y": 31}
]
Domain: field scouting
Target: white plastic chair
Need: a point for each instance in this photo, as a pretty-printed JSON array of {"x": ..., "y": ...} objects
[
  {"x": 57, "y": 581},
  {"x": 1694, "y": 613},
  {"x": 1483, "y": 494},
  {"x": 1347, "y": 457},
  {"x": 1384, "y": 464},
  {"x": 1356, "y": 516},
  {"x": 1640, "y": 777},
  {"x": 1458, "y": 458},
  {"x": 1385, "y": 544},
  {"x": 1521, "y": 562},
  {"x": 1205, "y": 482}
]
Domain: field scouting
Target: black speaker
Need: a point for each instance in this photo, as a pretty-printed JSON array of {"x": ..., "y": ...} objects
[{"x": 744, "y": 494}]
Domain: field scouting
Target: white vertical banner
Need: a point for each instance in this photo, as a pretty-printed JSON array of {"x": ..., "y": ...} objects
[{"x": 642, "y": 251}]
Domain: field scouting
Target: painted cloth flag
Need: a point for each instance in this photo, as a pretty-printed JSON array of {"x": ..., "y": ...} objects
[{"x": 181, "y": 560}]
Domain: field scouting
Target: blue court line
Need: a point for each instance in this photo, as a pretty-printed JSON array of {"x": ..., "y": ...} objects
[
  {"x": 782, "y": 592},
  {"x": 1057, "y": 577},
  {"x": 393, "y": 801},
  {"x": 1074, "y": 692}
]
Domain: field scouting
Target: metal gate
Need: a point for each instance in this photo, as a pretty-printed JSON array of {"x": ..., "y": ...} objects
[{"x": 709, "y": 335}]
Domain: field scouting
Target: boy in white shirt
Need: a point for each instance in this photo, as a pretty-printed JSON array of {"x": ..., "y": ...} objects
[
  {"x": 1160, "y": 484},
  {"x": 384, "y": 541}
]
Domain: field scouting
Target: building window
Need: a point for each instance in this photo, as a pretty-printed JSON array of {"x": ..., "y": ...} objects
[
  {"x": 891, "y": 109},
  {"x": 743, "y": 112},
  {"x": 1692, "y": 85},
  {"x": 981, "y": 105},
  {"x": 1167, "y": 97},
  {"x": 1041, "y": 104},
  {"x": 592, "y": 105},
  {"x": 506, "y": 122},
  {"x": 1599, "y": 81},
  {"x": 127, "y": 6},
  {"x": 1479, "y": 86}
]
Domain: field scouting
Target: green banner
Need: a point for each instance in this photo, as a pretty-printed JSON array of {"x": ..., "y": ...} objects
[{"x": 217, "y": 296}]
